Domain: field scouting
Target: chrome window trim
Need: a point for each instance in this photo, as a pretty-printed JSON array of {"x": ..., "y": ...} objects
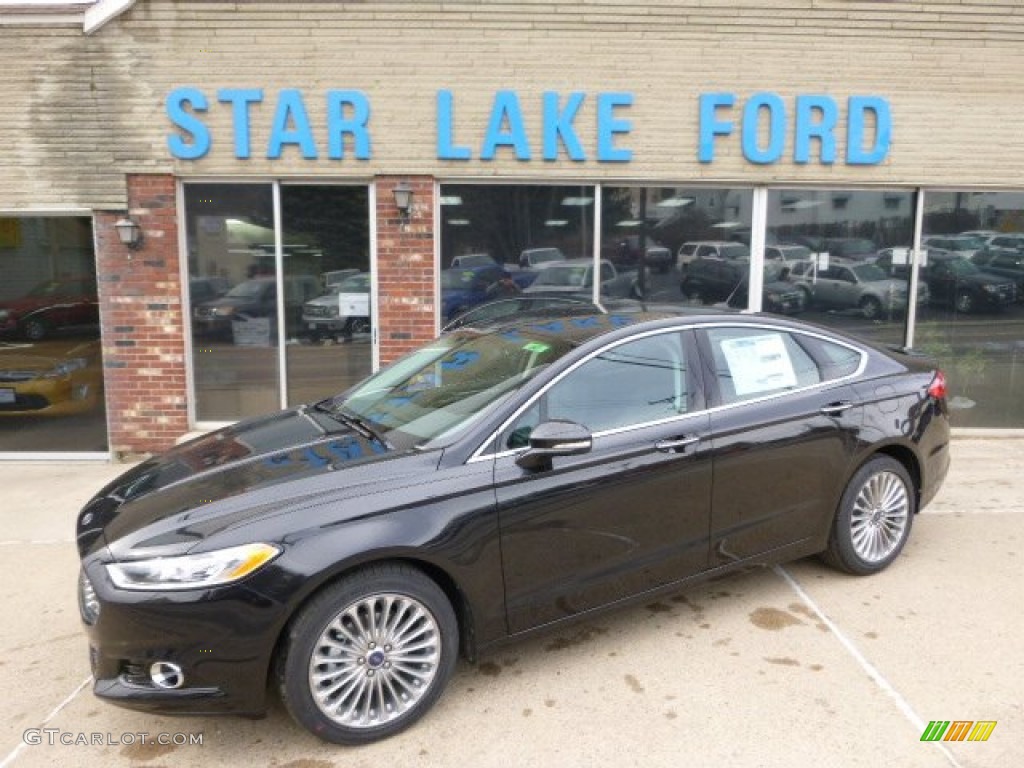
[{"x": 478, "y": 454}]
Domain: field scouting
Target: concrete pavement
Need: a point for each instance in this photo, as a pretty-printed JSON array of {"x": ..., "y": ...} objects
[{"x": 797, "y": 665}]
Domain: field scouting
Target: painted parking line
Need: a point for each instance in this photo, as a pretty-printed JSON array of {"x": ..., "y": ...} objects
[
  {"x": 901, "y": 703},
  {"x": 56, "y": 711}
]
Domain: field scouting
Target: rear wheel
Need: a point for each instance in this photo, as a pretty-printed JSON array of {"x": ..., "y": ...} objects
[
  {"x": 874, "y": 518},
  {"x": 34, "y": 329},
  {"x": 369, "y": 655},
  {"x": 964, "y": 302}
]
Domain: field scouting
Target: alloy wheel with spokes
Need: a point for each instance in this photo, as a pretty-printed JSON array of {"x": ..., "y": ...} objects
[
  {"x": 375, "y": 660},
  {"x": 369, "y": 655},
  {"x": 879, "y": 516},
  {"x": 874, "y": 517}
]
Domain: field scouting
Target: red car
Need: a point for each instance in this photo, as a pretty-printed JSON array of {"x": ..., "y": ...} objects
[{"x": 53, "y": 305}]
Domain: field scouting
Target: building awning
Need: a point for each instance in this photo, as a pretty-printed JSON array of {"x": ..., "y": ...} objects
[{"x": 91, "y": 15}]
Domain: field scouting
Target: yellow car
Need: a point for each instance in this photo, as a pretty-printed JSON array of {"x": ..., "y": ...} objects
[{"x": 54, "y": 378}]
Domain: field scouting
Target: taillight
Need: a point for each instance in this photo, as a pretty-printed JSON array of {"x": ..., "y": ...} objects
[{"x": 937, "y": 389}]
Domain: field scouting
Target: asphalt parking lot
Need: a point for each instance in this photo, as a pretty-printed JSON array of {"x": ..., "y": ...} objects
[{"x": 790, "y": 666}]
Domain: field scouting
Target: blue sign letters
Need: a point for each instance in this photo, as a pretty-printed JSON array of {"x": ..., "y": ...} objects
[{"x": 816, "y": 117}]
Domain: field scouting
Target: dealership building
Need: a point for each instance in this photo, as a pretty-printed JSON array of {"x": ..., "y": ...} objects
[{"x": 213, "y": 210}]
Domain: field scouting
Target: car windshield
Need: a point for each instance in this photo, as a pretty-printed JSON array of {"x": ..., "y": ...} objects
[
  {"x": 735, "y": 251},
  {"x": 354, "y": 284},
  {"x": 869, "y": 272},
  {"x": 575, "y": 276},
  {"x": 964, "y": 244},
  {"x": 434, "y": 393},
  {"x": 548, "y": 254},
  {"x": 793, "y": 252},
  {"x": 250, "y": 289},
  {"x": 50, "y": 288},
  {"x": 849, "y": 247},
  {"x": 457, "y": 279},
  {"x": 962, "y": 267}
]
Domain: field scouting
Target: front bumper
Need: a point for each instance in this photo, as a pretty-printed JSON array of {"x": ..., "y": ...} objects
[{"x": 223, "y": 640}]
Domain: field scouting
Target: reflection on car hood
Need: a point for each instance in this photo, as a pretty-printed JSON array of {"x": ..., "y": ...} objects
[
  {"x": 206, "y": 485},
  {"x": 16, "y": 360}
]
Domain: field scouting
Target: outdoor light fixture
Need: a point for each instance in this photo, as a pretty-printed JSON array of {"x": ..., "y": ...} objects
[
  {"x": 403, "y": 199},
  {"x": 129, "y": 233}
]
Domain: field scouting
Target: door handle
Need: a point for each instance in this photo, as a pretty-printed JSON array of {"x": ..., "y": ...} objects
[
  {"x": 675, "y": 444},
  {"x": 836, "y": 409}
]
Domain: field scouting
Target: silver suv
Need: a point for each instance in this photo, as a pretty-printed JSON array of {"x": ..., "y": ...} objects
[
  {"x": 710, "y": 249},
  {"x": 854, "y": 285}
]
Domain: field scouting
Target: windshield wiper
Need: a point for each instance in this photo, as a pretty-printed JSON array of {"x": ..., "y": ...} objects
[{"x": 349, "y": 419}]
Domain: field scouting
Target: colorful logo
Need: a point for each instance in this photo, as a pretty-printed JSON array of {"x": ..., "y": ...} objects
[{"x": 958, "y": 730}]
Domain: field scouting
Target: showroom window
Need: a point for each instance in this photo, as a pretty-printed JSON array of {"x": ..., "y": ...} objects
[
  {"x": 496, "y": 240},
  {"x": 279, "y": 282},
  {"x": 51, "y": 367},
  {"x": 691, "y": 242},
  {"x": 829, "y": 253},
  {"x": 973, "y": 268}
]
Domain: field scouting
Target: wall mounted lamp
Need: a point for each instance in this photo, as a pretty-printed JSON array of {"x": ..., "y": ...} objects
[
  {"x": 129, "y": 233},
  {"x": 403, "y": 199}
]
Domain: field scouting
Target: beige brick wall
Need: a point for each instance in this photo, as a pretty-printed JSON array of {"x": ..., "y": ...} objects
[{"x": 81, "y": 112}]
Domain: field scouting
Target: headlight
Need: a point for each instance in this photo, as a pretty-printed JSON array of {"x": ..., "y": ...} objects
[
  {"x": 208, "y": 569},
  {"x": 990, "y": 288},
  {"x": 4, "y": 314},
  {"x": 65, "y": 368},
  {"x": 88, "y": 604},
  {"x": 774, "y": 297}
]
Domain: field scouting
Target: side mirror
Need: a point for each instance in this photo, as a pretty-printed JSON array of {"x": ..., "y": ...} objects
[{"x": 555, "y": 438}]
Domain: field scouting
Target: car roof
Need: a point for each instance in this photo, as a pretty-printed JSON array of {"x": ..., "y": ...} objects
[{"x": 578, "y": 328}]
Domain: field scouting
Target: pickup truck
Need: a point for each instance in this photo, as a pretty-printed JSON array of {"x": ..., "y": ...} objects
[{"x": 576, "y": 276}]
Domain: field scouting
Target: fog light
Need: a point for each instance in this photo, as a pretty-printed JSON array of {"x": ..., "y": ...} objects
[{"x": 164, "y": 674}]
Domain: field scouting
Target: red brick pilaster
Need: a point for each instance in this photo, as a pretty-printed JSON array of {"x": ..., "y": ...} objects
[
  {"x": 405, "y": 267},
  {"x": 141, "y": 321}
]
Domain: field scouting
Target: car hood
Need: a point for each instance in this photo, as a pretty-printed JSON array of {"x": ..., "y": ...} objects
[
  {"x": 231, "y": 301},
  {"x": 888, "y": 285},
  {"x": 170, "y": 503},
  {"x": 778, "y": 286},
  {"x": 984, "y": 278},
  {"x": 16, "y": 363},
  {"x": 16, "y": 366},
  {"x": 26, "y": 304},
  {"x": 327, "y": 300}
]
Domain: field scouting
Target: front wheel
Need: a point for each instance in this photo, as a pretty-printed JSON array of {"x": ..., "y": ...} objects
[
  {"x": 964, "y": 303},
  {"x": 369, "y": 655},
  {"x": 874, "y": 518},
  {"x": 871, "y": 307}
]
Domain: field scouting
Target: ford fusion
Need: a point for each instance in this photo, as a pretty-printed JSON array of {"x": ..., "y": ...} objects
[{"x": 498, "y": 481}]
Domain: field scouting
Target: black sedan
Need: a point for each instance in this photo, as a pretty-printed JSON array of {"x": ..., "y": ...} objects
[{"x": 495, "y": 482}]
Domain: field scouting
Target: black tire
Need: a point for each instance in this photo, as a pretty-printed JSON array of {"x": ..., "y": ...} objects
[
  {"x": 874, "y": 518},
  {"x": 808, "y": 296},
  {"x": 964, "y": 303},
  {"x": 370, "y": 684},
  {"x": 35, "y": 329},
  {"x": 360, "y": 325},
  {"x": 871, "y": 307}
]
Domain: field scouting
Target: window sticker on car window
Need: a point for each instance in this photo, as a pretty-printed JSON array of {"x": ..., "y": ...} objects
[
  {"x": 758, "y": 363},
  {"x": 536, "y": 346}
]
